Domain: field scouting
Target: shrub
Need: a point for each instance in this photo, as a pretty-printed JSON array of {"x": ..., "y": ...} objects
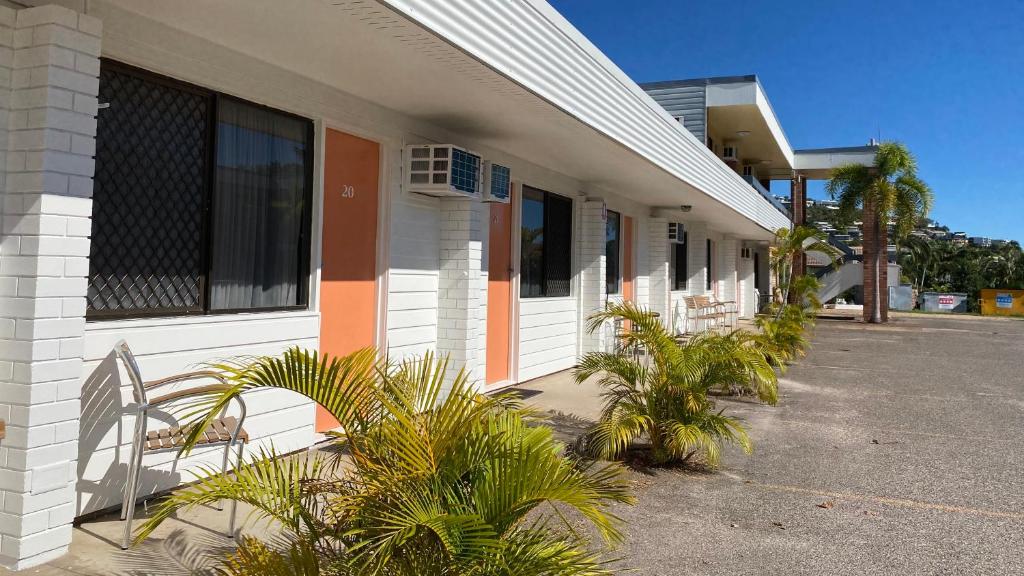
[
  {"x": 662, "y": 396},
  {"x": 782, "y": 334},
  {"x": 433, "y": 481}
]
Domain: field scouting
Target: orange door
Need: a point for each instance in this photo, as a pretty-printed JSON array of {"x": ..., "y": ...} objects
[
  {"x": 627, "y": 258},
  {"x": 348, "y": 282},
  {"x": 499, "y": 292}
]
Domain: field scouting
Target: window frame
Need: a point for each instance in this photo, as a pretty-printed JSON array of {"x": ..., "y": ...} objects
[
  {"x": 680, "y": 284},
  {"x": 618, "y": 253},
  {"x": 545, "y": 245},
  {"x": 305, "y": 242},
  {"x": 709, "y": 281}
]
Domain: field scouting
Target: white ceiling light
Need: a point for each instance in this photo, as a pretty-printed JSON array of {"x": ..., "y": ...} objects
[{"x": 743, "y": 133}]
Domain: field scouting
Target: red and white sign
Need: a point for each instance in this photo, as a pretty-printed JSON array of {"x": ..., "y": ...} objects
[{"x": 947, "y": 302}]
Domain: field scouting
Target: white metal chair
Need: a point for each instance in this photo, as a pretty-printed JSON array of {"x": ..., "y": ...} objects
[
  {"x": 227, "y": 431},
  {"x": 731, "y": 310},
  {"x": 703, "y": 312}
]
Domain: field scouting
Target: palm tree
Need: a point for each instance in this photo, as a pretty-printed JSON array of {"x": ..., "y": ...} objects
[
  {"x": 663, "y": 398},
  {"x": 919, "y": 259},
  {"x": 888, "y": 191},
  {"x": 436, "y": 479},
  {"x": 790, "y": 244}
]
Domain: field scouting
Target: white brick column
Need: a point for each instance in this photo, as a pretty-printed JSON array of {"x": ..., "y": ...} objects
[
  {"x": 459, "y": 298},
  {"x": 593, "y": 290},
  {"x": 728, "y": 252},
  {"x": 696, "y": 252},
  {"x": 745, "y": 273},
  {"x": 50, "y": 76},
  {"x": 658, "y": 263}
]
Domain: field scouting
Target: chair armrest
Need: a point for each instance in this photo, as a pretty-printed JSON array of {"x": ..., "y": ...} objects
[
  {"x": 188, "y": 392},
  {"x": 184, "y": 378}
]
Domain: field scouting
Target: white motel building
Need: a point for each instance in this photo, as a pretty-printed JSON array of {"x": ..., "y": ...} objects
[{"x": 212, "y": 178}]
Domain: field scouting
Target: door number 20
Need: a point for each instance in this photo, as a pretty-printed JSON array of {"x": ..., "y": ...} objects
[{"x": 348, "y": 191}]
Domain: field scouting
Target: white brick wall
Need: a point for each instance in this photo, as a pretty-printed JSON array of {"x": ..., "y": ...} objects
[
  {"x": 658, "y": 257},
  {"x": 593, "y": 290},
  {"x": 728, "y": 252},
  {"x": 745, "y": 274},
  {"x": 49, "y": 70},
  {"x": 460, "y": 293}
]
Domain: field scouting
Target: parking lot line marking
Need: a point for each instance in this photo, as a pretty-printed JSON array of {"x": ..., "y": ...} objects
[{"x": 899, "y": 502}]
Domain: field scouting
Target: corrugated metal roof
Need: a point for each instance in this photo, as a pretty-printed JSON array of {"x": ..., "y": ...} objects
[{"x": 530, "y": 43}]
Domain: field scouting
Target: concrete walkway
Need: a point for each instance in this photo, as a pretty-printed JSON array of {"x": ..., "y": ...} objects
[{"x": 894, "y": 450}]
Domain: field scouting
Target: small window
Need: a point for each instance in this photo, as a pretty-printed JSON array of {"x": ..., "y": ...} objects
[
  {"x": 709, "y": 277},
  {"x": 612, "y": 250},
  {"x": 201, "y": 202},
  {"x": 757, "y": 270},
  {"x": 546, "y": 244},
  {"x": 678, "y": 262}
]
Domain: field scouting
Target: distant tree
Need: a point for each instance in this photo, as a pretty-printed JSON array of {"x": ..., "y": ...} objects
[{"x": 889, "y": 190}]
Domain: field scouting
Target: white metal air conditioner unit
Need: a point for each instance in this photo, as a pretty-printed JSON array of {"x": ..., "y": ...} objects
[
  {"x": 676, "y": 233},
  {"x": 442, "y": 170},
  {"x": 497, "y": 183},
  {"x": 730, "y": 152}
]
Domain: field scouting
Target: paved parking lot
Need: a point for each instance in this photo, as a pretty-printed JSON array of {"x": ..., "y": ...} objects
[{"x": 894, "y": 450}]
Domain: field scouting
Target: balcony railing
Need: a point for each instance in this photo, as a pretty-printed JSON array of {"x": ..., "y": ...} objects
[{"x": 767, "y": 195}]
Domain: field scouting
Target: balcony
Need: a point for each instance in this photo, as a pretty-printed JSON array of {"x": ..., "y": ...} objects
[{"x": 767, "y": 195}]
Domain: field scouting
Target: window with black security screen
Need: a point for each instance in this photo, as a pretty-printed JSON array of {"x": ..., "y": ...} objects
[
  {"x": 545, "y": 245},
  {"x": 201, "y": 202},
  {"x": 679, "y": 264},
  {"x": 612, "y": 249},
  {"x": 710, "y": 269}
]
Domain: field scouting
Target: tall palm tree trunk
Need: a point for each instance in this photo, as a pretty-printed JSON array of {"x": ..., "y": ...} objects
[
  {"x": 876, "y": 288},
  {"x": 872, "y": 268}
]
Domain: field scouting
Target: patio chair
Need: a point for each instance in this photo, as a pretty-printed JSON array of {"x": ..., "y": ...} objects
[
  {"x": 731, "y": 310},
  {"x": 704, "y": 314},
  {"x": 227, "y": 431}
]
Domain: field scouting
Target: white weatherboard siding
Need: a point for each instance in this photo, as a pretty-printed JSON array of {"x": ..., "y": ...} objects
[
  {"x": 547, "y": 336},
  {"x": 412, "y": 305},
  {"x": 279, "y": 419}
]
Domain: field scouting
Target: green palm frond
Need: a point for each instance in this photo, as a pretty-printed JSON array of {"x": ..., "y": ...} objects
[
  {"x": 437, "y": 479},
  {"x": 343, "y": 385},
  {"x": 277, "y": 489},
  {"x": 537, "y": 552},
  {"x": 663, "y": 398},
  {"x": 295, "y": 558}
]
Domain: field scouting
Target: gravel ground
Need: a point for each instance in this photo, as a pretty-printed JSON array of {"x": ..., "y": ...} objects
[{"x": 894, "y": 450}]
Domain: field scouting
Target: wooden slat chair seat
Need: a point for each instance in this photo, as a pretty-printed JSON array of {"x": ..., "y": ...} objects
[{"x": 219, "y": 431}]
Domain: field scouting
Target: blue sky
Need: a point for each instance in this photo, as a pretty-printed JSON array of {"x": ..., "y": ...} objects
[{"x": 946, "y": 78}]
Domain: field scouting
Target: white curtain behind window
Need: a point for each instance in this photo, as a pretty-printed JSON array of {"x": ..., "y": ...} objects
[{"x": 258, "y": 207}]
